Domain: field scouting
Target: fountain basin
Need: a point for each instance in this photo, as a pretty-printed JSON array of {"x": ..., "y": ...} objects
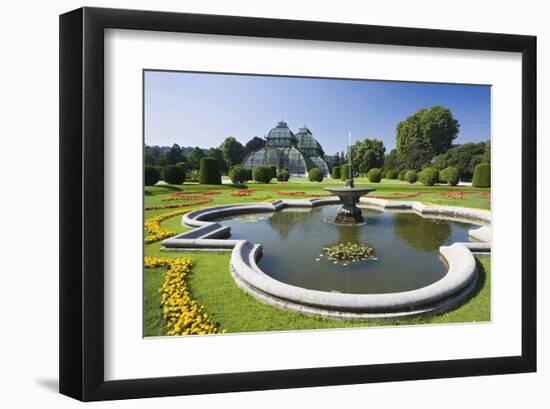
[{"x": 443, "y": 294}]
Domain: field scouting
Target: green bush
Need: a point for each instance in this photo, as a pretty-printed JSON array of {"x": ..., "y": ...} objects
[
  {"x": 283, "y": 176},
  {"x": 344, "y": 172},
  {"x": 336, "y": 172},
  {"x": 183, "y": 165},
  {"x": 173, "y": 175},
  {"x": 429, "y": 176},
  {"x": 209, "y": 174},
  {"x": 401, "y": 175},
  {"x": 451, "y": 175},
  {"x": 238, "y": 174},
  {"x": 160, "y": 170},
  {"x": 315, "y": 175},
  {"x": 273, "y": 171},
  {"x": 482, "y": 175},
  {"x": 374, "y": 175},
  {"x": 262, "y": 174},
  {"x": 152, "y": 175},
  {"x": 391, "y": 174},
  {"x": 410, "y": 176}
]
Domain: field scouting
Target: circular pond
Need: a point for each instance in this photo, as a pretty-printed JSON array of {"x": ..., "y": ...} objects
[{"x": 390, "y": 252}]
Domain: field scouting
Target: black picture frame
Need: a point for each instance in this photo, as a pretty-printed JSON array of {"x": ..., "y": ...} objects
[{"x": 82, "y": 212}]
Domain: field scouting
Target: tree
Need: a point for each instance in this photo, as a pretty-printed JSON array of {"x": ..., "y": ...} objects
[
  {"x": 393, "y": 161},
  {"x": 463, "y": 157},
  {"x": 174, "y": 155},
  {"x": 367, "y": 154},
  {"x": 218, "y": 155},
  {"x": 425, "y": 134},
  {"x": 233, "y": 151},
  {"x": 195, "y": 157},
  {"x": 486, "y": 158},
  {"x": 254, "y": 144}
]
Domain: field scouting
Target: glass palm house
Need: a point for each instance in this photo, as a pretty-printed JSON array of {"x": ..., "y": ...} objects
[{"x": 298, "y": 152}]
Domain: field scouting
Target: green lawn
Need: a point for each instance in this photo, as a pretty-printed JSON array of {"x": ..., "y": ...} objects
[{"x": 212, "y": 285}]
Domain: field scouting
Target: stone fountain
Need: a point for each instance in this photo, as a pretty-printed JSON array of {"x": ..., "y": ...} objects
[{"x": 349, "y": 195}]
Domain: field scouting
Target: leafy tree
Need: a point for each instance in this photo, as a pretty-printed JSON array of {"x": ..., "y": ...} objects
[
  {"x": 425, "y": 134},
  {"x": 463, "y": 157},
  {"x": 174, "y": 155},
  {"x": 254, "y": 144},
  {"x": 233, "y": 151},
  {"x": 410, "y": 176},
  {"x": 195, "y": 157},
  {"x": 393, "y": 161},
  {"x": 367, "y": 154},
  {"x": 218, "y": 155},
  {"x": 451, "y": 175}
]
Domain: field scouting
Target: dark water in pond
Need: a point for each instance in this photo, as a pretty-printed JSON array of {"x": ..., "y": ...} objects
[{"x": 406, "y": 248}]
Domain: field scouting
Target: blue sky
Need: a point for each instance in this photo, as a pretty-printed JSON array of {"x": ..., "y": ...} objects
[{"x": 193, "y": 109}]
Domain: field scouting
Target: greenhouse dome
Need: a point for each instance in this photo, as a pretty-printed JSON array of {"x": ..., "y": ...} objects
[{"x": 299, "y": 153}]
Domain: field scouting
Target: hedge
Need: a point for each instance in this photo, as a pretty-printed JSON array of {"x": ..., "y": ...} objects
[
  {"x": 209, "y": 173},
  {"x": 451, "y": 175},
  {"x": 183, "y": 165},
  {"x": 336, "y": 172},
  {"x": 344, "y": 172},
  {"x": 429, "y": 176},
  {"x": 315, "y": 175},
  {"x": 401, "y": 175},
  {"x": 262, "y": 174},
  {"x": 374, "y": 175},
  {"x": 238, "y": 174},
  {"x": 152, "y": 175},
  {"x": 173, "y": 175},
  {"x": 391, "y": 174},
  {"x": 410, "y": 176},
  {"x": 273, "y": 171},
  {"x": 482, "y": 175}
]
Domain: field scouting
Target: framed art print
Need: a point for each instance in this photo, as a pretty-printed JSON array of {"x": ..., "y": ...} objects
[{"x": 254, "y": 204}]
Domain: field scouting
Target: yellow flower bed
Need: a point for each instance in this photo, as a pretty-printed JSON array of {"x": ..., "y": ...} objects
[
  {"x": 156, "y": 231},
  {"x": 183, "y": 315}
]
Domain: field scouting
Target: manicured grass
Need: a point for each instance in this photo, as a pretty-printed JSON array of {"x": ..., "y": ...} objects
[{"x": 234, "y": 310}]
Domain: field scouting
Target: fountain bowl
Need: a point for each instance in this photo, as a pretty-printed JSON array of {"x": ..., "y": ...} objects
[{"x": 349, "y": 195}]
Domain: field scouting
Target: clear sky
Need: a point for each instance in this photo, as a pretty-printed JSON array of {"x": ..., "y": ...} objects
[{"x": 193, "y": 109}]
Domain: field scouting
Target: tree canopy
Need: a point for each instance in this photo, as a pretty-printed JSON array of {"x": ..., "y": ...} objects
[
  {"x": 464, "y": 157},
  {"x": 254, "y": 144},
  {"x": 425, "y": 134},
  {"x": 367, "y": 154},
  {"x": 195, "y": 157},
  {"x": 233, "y": 151}
]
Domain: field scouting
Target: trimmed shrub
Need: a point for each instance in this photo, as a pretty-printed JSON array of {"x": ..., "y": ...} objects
[
  {"x": 173, "y": 175},
  {"x": 410, "y": 176},
  {"x": 152, "y": 175},
  {"x": 262, "y": 174},
  {"x": 391, "y": 174},
  {"x": 429, "y": 176},
  {"x": 238, "y": 174},
  {"x": 160, "y": 169},
  {"x": 183, "y": 165},
  {"x": 315, "y": 175},
  {"x": 401, "y": 175},
  {"x": 283, "y": 176},
  {"x": 344, "y": 171},
  {"x": 209, "y": 174},
  {"x": 451, "y": 175},
  {"x": 273, "y": 171},
  {"x": 336, "y": 172},
  {"x": 482, "y": 175},
  {"x": 374, "y": 175}
]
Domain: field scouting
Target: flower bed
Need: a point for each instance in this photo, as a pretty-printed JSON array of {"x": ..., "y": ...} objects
[{"x": 182, "y": 314}]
